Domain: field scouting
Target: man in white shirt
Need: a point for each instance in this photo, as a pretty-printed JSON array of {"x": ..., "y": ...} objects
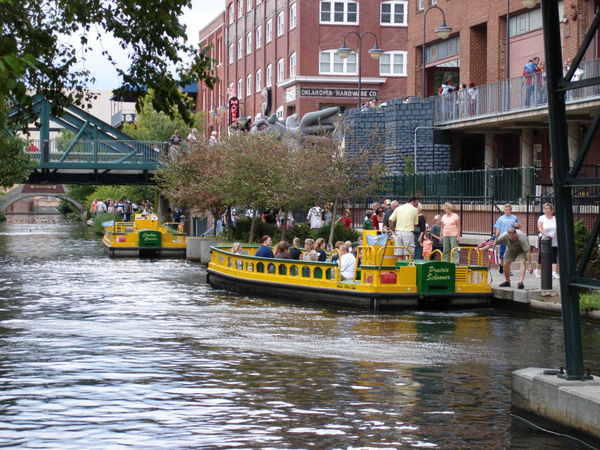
[
  {"x": 347, "y": 263},
  {"x": 315, "y": 217}
]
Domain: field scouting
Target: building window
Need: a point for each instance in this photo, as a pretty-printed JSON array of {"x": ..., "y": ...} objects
[
  {"x": 231, "y": 17},
  {"x": 269, "y": 76},
  {"x": 248, "y": 43},
  {"x": 293, "y": 16},
  {"x": 340, "y": 11},
  {"x": 279, "y": 112},
  {"x": 530, "y": 21},
  {"x": 231, "y": 54},
  {"x": 269, "y": 31},
  {"x": 420, "y": 5},
  {"x": 442, "y": 49},
  {"x": 292, "y": 65},
  {"x": 240, "y": 8},
  {"x": 280, "y": 69},
  {"x": 433, "y": 2},
  {"x": 393, "y": 64},
  {"x": 258, "y": 80},
  {"x": 280, "y": 23},
  {"x": 258, "y": 37},
  {"x": 331, "y": 63},
  {"x": 240, "y": 48},
  {"x": 393, "y": 13},
  {"x": 258, "y": 2},
  {"x": 249, "y": 6},
  {"x": 249, "y": 85},
  {"x": 240, "y": 89}
]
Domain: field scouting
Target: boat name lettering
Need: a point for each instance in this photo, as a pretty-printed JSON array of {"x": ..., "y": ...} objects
[{"x": 438, "y": 273}]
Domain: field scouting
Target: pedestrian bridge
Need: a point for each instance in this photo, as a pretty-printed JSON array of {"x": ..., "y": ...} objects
[
  {"x": 99, "y": 153},
  {"x": 24, "y": 191}
]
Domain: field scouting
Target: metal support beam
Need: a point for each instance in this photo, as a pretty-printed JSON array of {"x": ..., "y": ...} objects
[{"x": 563, "y": 193}]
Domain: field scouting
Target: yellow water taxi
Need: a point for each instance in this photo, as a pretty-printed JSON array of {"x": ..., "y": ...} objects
[
  {"x": 145, "y": 236},
  {"x": 380, "y": 282}
]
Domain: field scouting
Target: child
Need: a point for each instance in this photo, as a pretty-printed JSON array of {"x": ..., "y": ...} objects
[{"x": 427, "y": 245}]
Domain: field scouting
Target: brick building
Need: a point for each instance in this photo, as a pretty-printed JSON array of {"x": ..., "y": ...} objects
[{"x": 280, "y": 56}]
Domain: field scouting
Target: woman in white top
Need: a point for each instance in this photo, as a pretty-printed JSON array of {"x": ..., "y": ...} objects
[{"x": 547, "y": 227}]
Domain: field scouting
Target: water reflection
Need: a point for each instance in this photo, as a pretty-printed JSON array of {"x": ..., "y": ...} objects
[{"x": 127, "y": 353}]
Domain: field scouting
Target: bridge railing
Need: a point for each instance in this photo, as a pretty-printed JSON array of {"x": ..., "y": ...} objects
[{"x": 56, "y": 153}]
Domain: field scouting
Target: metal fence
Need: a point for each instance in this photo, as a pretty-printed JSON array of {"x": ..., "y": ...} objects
[{"x": 514, "y": 94}]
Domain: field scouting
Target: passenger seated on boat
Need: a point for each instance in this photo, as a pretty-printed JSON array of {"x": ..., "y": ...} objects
[
  {"x": 320, "y": 249},
  {"x": 295, "y": 252},
  {"x": 335, "y": 256},
  {"x": 264, "y": 251},
  {"x": 237, "y": 248},
  {"x": 347, "y": 263},
  {"x": 309, "y": 245},
  {"x": 281, "y": 250}
]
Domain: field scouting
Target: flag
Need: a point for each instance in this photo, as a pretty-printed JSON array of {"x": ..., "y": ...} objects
[
  {"x": 110, "y": 223},
  {"x": 377, "y": 239}
]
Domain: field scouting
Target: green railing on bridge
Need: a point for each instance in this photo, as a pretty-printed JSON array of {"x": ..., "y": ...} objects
[{"x": 97, "y": 154}]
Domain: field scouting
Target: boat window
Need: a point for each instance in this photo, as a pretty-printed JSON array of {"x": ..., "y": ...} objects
[
  {"x": 239, "y": 264},
  {"x": 282, "y": 269},
  {"x": 229, "y": 262},
  {"x": 328, "y": 274},
  {"x": 318, "y": 273},
  {"x": 260, "y": 267},
  {"x": 271, "y": 268},
  {"x": 221, "y": 258},
  {"x": 306, "y": 272},
  {"x": 250, "y": 267},
  {"x": 294, "y": 271}
]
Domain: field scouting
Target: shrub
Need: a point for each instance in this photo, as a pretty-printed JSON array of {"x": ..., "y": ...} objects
[
  {"x": 339, "y": 234},
  {"x": 581, "y": 238},
  {"x": 589, "y": 301},
  {"x": 241, "y": 230},
  {"x": 97, "y": 225},
  {"x": 67, "y": 209},
  {"x": 2, "y": 216}
]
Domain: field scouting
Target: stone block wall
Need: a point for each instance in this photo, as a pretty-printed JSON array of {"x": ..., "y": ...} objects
[{"x": 396, "y": 123}]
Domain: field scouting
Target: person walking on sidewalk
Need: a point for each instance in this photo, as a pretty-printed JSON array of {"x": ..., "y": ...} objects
[{"x": 517, "y": 247}]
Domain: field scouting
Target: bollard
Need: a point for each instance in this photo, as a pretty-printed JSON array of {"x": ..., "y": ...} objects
[{"x": 546, "y": 261}]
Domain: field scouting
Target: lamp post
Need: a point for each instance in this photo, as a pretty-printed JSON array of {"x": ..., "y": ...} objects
[
  {"x": 214, "y": 112},
  {"x": 375, "y": 53},
  {"x": 443, "y": 31}
]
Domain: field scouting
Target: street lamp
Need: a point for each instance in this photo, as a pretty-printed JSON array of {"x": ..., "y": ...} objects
[
  {"x": 375, "y": 53},
  {"x": 214, "y": 113},
  {"x": 223, "y": 108},
  {"x": 443, "y": 31}
]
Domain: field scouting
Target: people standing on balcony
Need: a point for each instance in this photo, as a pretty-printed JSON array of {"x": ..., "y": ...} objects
[
  {"x": 504, "y": 222},
  {"x": 461, "y": 101},
  {"x": 450, "y": 234},
  {"x": 542, "y": 88},
  {"x": 529, "y": 70},
  {"x": 445, "y": 90},
  {"x": 472, "y": 94}
]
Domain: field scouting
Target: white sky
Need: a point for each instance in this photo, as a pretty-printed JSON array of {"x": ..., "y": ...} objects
[{"x": 202, "y": 12}]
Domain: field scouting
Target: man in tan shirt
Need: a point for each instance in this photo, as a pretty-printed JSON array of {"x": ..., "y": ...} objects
[{"x": 406, "y": 217}]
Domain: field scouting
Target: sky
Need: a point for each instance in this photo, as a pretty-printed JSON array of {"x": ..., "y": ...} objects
[{"x": 201, "y": 13}]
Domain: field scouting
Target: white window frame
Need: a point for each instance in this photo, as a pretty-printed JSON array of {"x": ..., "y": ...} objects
[
  {"x": 269, "y": 76},
  {"x": 333, "y": 5},
  {"x": 258, "y": 80},
  {"x": 240, "y": 52},
  {"x": 269, "y": 31},
  {"x": 240, "y": 8},
  {"x": 420, "y": 5},
  {"x": 240, "y": 89},
  {"x": 335, "y": 58},
  {"x": 258, "y": 2},
  {"x": 259, "y": 37},
  {"x": 293, "y": 16},
  {"x": 280, "y": 70},
  {"x": 393, "y": 55},
  {"x": 280, "y": 24},
  {"x": 249, "y": 6},
  {"x": 248, "y": 85},
  {"x": 249, "y": 43},
  {"x": 279, "y": 112},
  {"x": 231, "y": 16},
  {"x": 392, "y": 5},
  {"x": 433, "y": 2},
  {"x": 293, "y": 65},
  {"x": 231, "y": 54}
]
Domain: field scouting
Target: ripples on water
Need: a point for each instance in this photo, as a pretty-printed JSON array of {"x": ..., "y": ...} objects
[{"x": 133, "y": 354}]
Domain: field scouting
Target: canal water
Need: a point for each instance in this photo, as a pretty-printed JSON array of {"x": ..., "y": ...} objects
[{"x": 102, "y": 353}]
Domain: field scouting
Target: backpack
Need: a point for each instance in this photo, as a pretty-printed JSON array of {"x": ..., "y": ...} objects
[{"x": 529, "y": 67}]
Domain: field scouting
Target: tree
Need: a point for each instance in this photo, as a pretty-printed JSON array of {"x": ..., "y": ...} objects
[
  {"x": 151, "y": 125},
  {"x": 15, "y": 165},
  {"x": 32, "y": 57}
]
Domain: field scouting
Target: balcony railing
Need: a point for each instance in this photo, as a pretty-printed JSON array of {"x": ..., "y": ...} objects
[{"x": 507, "y": 96}]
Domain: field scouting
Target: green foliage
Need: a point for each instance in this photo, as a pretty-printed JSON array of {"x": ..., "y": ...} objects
[
  {"x": 15, "y": 165},
  {"x": 339, "y": 234},
  {"x": 2, "y": 216},
  {"x": 81, "y": 192},
  {"x": 134, "y": 193},
  {"x": 409, "y": 166},
  {"x": 589, "y": 301},
  {"x": 33, "y": 56},
  {"x": 151, "y": 125},
  {"x": 582, "y": 236},
  {"x": 241, "y": 231},
  {"x": 97, "y": 224},
  {"x": 66, "y": 208}
]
